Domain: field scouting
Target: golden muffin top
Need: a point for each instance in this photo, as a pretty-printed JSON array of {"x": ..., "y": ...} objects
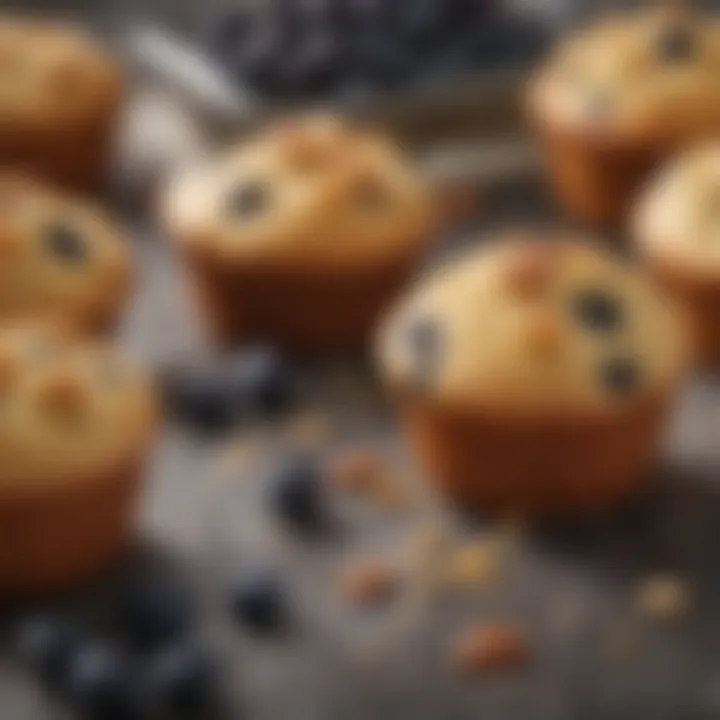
[
  {"x": 60, "y": 258},
  {"x": 68, "y": 410},
  {"x": 51, "y": 74},
  {"x": 650, "y": 74},
  {"x": 312, "y": 191},
  {"x": 678, "y": 217},
  {"x": 531, "y": 327}
]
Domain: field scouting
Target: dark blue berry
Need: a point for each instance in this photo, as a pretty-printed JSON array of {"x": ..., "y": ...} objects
[
  {"x": 49, "y": 644},
  {"x": 621, "y": 376},
  {"x": 228, "y": 31},
  {"x": 66, "y": 244},
  {"x": 199, "y": 398},
  {"x": 103, "y": 687},
  {"x": 598, "y": 311},
  {"x": 297, "y": 494},
  {"x": 384, "y": 60},
  {"x": 184, "y": 678},
  {"x": 259, "y": 604},
  {"x": 315, "y": 66},
  {"x": 248, "y": 200},
  {"x": 260, "y": 380},
  {"x": 677, "y": 44},
  {"x": 154, "y": 613}
]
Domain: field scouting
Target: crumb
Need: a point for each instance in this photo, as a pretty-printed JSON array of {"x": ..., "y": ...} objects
[
  {"x": 368, "y": 581},
  {"x": 427, "y": 541},
  {"x": 357, "y": 470},
  {"x": 310, "y": 429},
  {"x": 462, "y": 202},
  {"x": 239, "y": 454},
  {"x": 665, "y": 598},
  {"x": 622, "y": 644},
  {"x": 476, "y": 563},
  {"x": 389, "y": 494},
  {"x": 498, "y": 647}
]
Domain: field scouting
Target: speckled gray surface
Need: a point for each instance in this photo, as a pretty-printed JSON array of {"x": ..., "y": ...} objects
[{"x": 569, "y": 586}]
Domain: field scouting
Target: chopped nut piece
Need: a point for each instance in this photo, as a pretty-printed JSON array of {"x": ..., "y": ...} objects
[
  {"x": 664, "y": 597},
  {"x": 622, "y": 644},
  {"x": 490, "y": 648},
  {"x": 239, "y": 454},
  {"x": 357, "y": 470},
  {"x": 428, "y": 541},
  {"x": 474, "y": 563},
  {"x": 310, "y": 429},
  {"x": 368, "y": 581}
]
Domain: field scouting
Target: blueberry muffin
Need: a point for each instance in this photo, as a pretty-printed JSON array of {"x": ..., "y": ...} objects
[
  {"x": 616, "y": 99},
  {"x": 300, "y": 235},
  {"x": 677, "y": 230},
  {"x": 61, "y": 260},
  {"x": 76, "y": 422},
  {"x": 60, "y": 97},
  {"x": 534, "y": 376}
]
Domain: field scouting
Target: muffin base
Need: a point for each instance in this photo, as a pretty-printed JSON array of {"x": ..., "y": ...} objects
[
  {"x": 700, "y": 299},
  {"x": 308, "y": 311},
  {"x": 515, "y": 466},
  {"x": 51, "y": 537},
  {"x": 597, "y": 181},
  {"x": 77, "y": 157}
]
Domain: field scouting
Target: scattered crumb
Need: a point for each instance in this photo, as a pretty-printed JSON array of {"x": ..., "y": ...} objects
[
  {"x": 462, "y": 202},
  {"x": 622, "y": 644},
  {"x": 310, "y": 429},
  {"x": 665, "y": 598},
  {"x": 357, "y": 470},
  {"x": 476, "y": 563},
  {"x": 389, "y": 494},
  {"x": 239, "y": 454},
  {"x": 368, "y": 581},
  {"x": 428, "y": 541},
  {"x": 498, "y": 647}
]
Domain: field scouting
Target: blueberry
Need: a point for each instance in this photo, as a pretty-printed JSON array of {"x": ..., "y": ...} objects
[
  {"x": 199, "y": 398},
  {"x": 620, "y": 376},
  {"x": 103, "y": 686},
  {"x": 184, "y": 677},
  {"x": 49, "y": 644},
  {"x": 598, "y": 311},
  {"x": 260, "y": 380},
  {"x": 314, "y": 67},
  {"x": 372, "y": 195},
  {"x": 259, "y": 604},
  {"x": 297, "y": 494},
  {"x": 227, "y": 32},
  {"x": 153, "y": 613},
  {"x": 384, "y": 60},
  {"x": 676, "y": 44},
  {"x": 66, "y": 243},
  {"x": 248, "y": 200}
]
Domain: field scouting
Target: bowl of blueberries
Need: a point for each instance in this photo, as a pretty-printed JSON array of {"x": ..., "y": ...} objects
[{"x": 390, "y": 60}]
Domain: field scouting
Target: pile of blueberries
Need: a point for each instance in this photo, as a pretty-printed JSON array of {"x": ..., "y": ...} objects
[
  {"x": 153, "y": 664},
  {"x": 295, "y": 50},
  {"x": 154, "y": 667}
]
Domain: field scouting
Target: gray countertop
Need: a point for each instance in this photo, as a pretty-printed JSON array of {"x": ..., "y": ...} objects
[{"x": 569, "y": 586}]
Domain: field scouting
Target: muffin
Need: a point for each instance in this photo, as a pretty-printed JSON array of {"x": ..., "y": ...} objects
[
  {"x": 534, "y": 377},
  {"x": 616, "y": 99},
  {"x": 300, "y": 235},
  {"x": 76, "y": 422},
  {"x": 677, "y": 231},
  {"x": 61, "y": 259},
  {"x": 60, "y": 97}
]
